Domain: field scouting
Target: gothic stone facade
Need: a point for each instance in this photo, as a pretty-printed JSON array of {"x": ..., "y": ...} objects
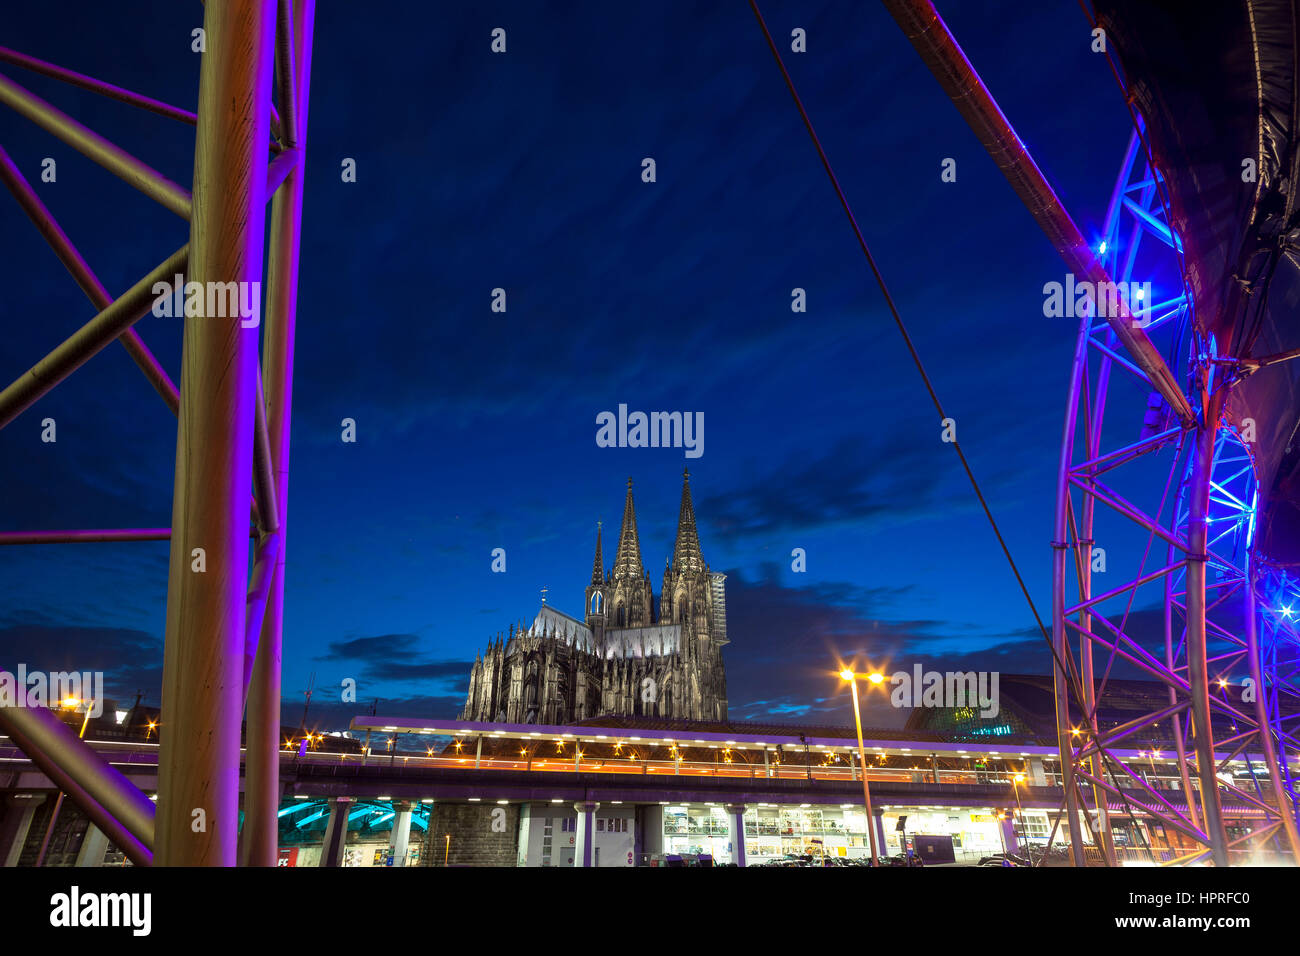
[{"x": 622, "y": 658}]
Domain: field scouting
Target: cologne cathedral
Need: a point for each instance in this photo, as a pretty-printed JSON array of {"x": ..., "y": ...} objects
[{"x": 628, "y": 656}]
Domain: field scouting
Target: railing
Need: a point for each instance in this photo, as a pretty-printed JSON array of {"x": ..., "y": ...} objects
[
  {"x": 144, "y": 755},
  {"x": 561, "y": 763}
]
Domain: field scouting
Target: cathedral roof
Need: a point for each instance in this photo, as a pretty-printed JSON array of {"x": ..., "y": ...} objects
[
  {"x": 654, "y": 640},
  {"x": 554, "y": 623}
]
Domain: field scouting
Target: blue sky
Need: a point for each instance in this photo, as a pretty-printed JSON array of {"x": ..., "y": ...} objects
[{"x": 476, "y": 430}]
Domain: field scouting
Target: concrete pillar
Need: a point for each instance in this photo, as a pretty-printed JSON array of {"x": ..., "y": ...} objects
[
  {"x": 651, "y": 821},
  {"x": 1037, "y": 777},
  {"x": 584, "y": 853},
  {"x": 1009, "y": 832},
  {"x": 577, "y": 754},
  {"x": 401, "y": 834},
  {"x": 94, "y": 845},
  {"x": 934, "y": 762},
  {"x": 736, "y": 830},
  {"x": 336, "y": 832},
  {"x": 19, "y": 810},
  {"x": 478, "y": 753},
  {"x": 767, "y": 767},
  {"x": 525, "y": 837}
]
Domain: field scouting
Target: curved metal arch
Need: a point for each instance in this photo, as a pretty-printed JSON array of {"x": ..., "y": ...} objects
[{"x": 1209, "y": 531}]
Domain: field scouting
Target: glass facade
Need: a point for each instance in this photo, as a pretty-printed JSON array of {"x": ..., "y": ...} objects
[
  {"x": 967, "y": 722},
  {"x": 777, "y": 831},
  {"x": 774, "y": 832},
  {"x": 695, "y": 830}
]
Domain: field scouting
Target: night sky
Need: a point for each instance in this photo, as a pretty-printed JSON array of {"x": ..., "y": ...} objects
[{"x": 476, "y": 430}]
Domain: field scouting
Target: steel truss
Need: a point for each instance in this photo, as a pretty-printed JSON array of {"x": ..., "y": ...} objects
[
  {"x": 224, "y": 626},
  {"x": 1190, "y": 423},
  {"x": 1201, "y": 531}
]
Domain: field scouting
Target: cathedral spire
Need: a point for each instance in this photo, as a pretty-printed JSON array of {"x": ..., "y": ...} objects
[
  {"x": 627, "y": 562},
  {"x": 686, "y": 552},
  {"x": 598, "y": 566}
]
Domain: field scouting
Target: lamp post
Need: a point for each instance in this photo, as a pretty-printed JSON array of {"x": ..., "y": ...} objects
[
  {"x": 852, "y": 678},
  {"x": 71, "y": 702},
  {"x": 1016, "y": 781}
]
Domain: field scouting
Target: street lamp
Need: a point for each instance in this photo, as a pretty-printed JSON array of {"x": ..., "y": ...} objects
[
  {"x": 72, "y": 703},
  {"x": 852, "y": 678},
  {"x": 1016, "y": 781}
]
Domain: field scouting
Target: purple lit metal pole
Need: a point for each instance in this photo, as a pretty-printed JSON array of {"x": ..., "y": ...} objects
[
  {"x": 203, "y": 658},
  {"x": 1285, "y": 808},
  {"x": 1060, "y": 645},
  {"x": 260, "y": 842},
  {"x": 1198, "y": 498},
  {"x": 1083, "y": 564}
]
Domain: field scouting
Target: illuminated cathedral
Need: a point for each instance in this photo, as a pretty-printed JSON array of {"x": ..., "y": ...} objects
[{"x": 628, "y": 655}]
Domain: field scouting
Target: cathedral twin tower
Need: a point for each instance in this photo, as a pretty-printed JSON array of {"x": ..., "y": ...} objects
[{"x": 621, "y": 659}]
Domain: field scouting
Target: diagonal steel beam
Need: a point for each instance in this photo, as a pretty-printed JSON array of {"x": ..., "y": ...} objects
[
  {"x": 82, "y": 536},
  {"x": 1116, "y": 502},
  {"x": 92, "y": 337},
  {"x": 927, "y": 32},
  {"x": 95, "y": 147},
  {"x": 286, "y": 73},
  {"x": 259, "y": 586},
  {"x": 95, "y": 86},
  {"x": 1116, "y": 591},
  {"x": 67, "y": 537},
  {"x": 114, "y": 803},
  {"x": 1122, "y": 456},
  {"x": 266, "y": 500},
  {"x": 72, "y": 260}
]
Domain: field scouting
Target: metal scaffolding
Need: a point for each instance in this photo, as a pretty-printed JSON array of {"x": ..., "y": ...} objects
[
  {"x": 224, "y": 623},
  {"x": 1212, "y": 527}
]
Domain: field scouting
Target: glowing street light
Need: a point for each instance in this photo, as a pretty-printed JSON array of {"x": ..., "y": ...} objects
[
  {"x": 71, "y": 703},
  {"x": 875, "y": 678}
]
